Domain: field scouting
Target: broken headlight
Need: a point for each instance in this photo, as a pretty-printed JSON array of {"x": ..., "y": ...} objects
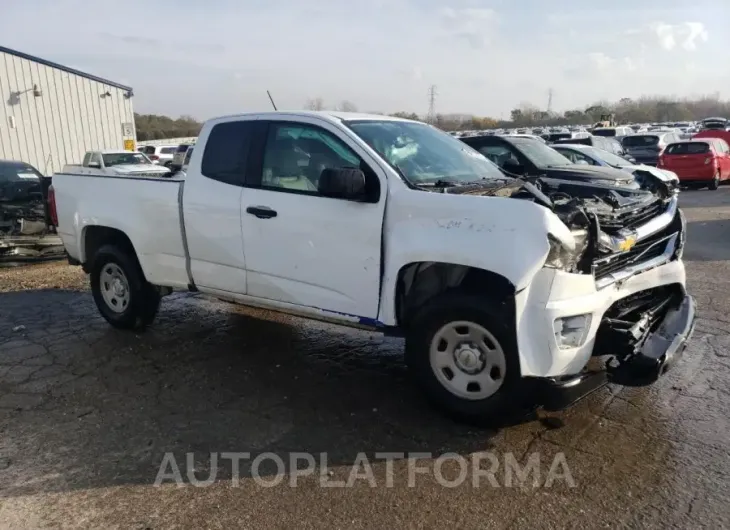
[
  {"x": 623, "y": 241},
  {"x": 563, "y": 257}
]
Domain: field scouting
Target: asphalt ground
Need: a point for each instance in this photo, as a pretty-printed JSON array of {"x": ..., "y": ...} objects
[{"x": 89, "y": 415}]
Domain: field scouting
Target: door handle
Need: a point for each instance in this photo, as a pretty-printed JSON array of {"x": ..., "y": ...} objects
[{"x": 262, "y": 212}]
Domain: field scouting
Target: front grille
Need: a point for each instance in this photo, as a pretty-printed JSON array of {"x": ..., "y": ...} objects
[
  {"x": 643, "y": 251},
  {"x": 633, "y": 218}
]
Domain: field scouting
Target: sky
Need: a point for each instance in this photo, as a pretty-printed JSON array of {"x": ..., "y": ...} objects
[{"x": 485, "y": 57}]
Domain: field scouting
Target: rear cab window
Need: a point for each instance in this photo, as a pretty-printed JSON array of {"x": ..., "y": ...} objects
[{"x": 225, "y": 157}]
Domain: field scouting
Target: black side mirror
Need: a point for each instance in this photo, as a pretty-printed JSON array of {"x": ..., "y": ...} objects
[
  {"x": 513, "y": 166},
  {"x": 342, "y": 183}
]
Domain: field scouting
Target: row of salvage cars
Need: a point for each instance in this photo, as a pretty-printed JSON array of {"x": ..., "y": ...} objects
[{"x": 703, "y": 161}]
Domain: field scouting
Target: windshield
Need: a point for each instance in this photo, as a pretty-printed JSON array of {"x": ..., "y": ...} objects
[
  {"x": 115, "y": 159},
  {"x": 540, "y": 154},
  {"x": 424, "y": 154},
  {"x": 604, "y": 132},
  {"x": 608, "y": 158},
  {"x": 18, "y": 172},
  {"x": 640, "y": 140}
]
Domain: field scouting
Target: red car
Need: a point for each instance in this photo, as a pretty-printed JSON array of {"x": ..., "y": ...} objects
[{"x": 698, "y": 162}]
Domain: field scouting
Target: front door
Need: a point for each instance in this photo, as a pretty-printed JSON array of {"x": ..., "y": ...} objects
[{"x": 302, "y": 248}]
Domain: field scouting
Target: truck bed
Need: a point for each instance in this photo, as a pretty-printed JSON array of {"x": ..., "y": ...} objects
[{"x": 147, "y": 209}]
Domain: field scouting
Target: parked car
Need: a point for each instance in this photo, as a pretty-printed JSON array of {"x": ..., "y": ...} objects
[
  {"x": 523, "y": 156},
  {"x": 645, "y": 148},
  {"x": 584, "y": 154},
  {"x": 554, "y": 136},
  {"x": 617, "y": 132},
  {"x": 117, "y": 163},
  {"x": 25, "y": 230},
  {"x": 698, "y": 163},
  {"x": 612, "y": 145},
  {"x": 179, "y": 157},
  {"x": 501, "y": 290},
  {"x": 160, "y": 154}
]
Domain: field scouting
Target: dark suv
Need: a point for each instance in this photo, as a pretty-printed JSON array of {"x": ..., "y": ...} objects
[
  {"x": 645, "y": 147},
  {"x": 601, "y": 142},
  {"x": 526, "y": 156}
]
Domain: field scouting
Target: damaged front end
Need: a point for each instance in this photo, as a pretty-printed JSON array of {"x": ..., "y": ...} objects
[
  {"x": 25, "y": 234},
  {"x": 644, "y": 334}
]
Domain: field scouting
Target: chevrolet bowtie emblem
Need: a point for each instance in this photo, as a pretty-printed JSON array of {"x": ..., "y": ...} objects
[{"x": 627, "y": 244}]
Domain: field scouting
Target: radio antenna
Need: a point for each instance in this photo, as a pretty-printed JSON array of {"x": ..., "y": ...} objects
[{"x": 271, "y": 99}]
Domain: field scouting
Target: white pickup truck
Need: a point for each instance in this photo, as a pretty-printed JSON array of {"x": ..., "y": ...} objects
[
  {"x": 504, "y": 288},
  {"x": 117, "y": 163}
]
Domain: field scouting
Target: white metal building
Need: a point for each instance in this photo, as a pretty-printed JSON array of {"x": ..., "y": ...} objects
[{"x": 50, "y": 114}]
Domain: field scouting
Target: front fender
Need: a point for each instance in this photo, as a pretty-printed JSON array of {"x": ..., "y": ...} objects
[{"x": 501, "y": 235}]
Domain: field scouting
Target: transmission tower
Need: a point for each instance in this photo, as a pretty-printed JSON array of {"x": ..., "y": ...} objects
[
  {"x": 432, "y": 104},
  {"x": 550, "y": 100}
]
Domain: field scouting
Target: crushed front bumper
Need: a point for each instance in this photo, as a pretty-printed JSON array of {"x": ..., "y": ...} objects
[
  {"x": 644, "y": 351},
  {"x": 656, "y": 351}
]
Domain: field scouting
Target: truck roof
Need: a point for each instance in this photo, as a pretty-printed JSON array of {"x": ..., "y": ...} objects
[{"x": 330, "y": 115}]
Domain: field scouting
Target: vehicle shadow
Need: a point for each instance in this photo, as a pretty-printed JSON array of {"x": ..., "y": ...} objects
[
  {"x": 85, "y": 406},
  {"x": 702, "y": 238}
]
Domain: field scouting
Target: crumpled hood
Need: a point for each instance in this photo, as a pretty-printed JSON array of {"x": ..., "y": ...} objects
[
  {"x": 663, "y": 174},
  {"x": 585, "y": 173}
]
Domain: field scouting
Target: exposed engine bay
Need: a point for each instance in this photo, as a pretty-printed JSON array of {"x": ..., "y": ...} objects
[
  {"x": 24, "y": 231},
  {"x": 603, "y": 218}
]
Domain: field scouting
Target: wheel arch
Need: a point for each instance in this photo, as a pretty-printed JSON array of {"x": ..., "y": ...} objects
[
  {"x": 420, "y": 282},
  {"x": 93, "y": 237}
]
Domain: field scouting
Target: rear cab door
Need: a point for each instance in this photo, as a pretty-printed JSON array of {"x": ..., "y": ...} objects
[
  {"x": 212, "y": 205},
  {"x": 304, "y": 249}
]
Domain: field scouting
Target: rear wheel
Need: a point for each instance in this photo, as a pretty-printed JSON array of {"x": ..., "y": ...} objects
[
  {"x": 461, "y": 351},
  {"x": 715, "y": 182},
  {"x": 122, "y": 295}
]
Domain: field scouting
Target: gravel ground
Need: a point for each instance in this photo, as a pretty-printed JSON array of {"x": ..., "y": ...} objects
[
  {"x": 88, "y": 415},
  {"x": 49, "y": 275}
]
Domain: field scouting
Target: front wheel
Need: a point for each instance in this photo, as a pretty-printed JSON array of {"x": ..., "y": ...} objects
[
  {"x": 462, "y": 352},
  {"x": 124, "y": 298}
]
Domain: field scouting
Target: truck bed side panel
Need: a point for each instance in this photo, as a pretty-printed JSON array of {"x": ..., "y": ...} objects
[{"x": 146, "y": 210}]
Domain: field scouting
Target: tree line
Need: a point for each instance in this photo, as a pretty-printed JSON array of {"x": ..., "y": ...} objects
[
  {"x": 156, "y": 127},
  {"x": 648, "y": 109}
]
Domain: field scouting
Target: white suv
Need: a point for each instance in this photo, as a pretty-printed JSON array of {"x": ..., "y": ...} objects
[
  {"x": 159, "y": 154},
  {"x": 178, "y": 158}
]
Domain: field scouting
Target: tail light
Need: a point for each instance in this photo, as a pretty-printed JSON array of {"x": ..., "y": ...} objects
[
  {"x": 52, "y": 212},
  {"x": 153, "y": 157}
]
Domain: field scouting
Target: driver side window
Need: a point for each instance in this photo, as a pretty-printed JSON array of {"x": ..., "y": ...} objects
[
  {"x": 296, "y": 154},
  {"x": 579, "y": 158},
  {"x": 498, "y": 154}
]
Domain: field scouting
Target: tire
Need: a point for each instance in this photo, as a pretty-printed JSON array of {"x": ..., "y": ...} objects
[
  {"x": 124, "y": 298},
  {"x": 481, "y": 403},
  {"x": 715, "y": 182}
]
